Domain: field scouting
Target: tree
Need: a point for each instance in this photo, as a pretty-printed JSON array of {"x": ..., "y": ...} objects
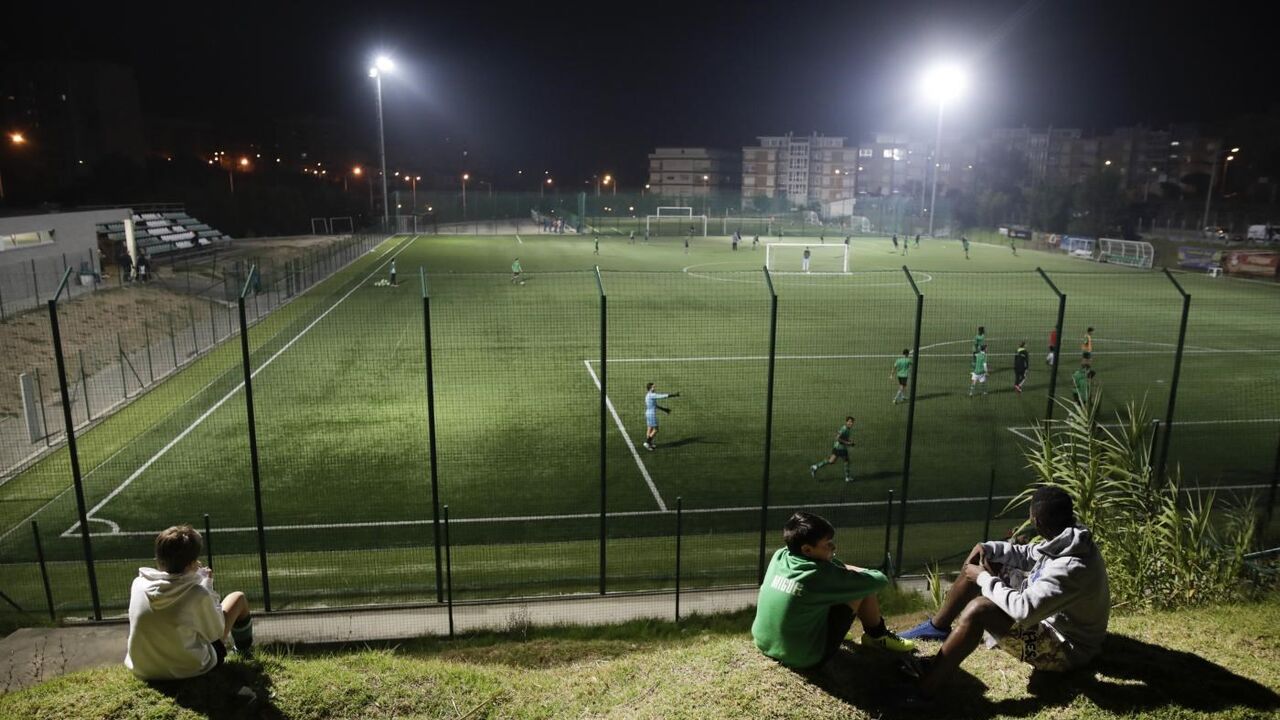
[
  {"x": 1050, "y": 207},
  {"x": 1099, "y": 205}
]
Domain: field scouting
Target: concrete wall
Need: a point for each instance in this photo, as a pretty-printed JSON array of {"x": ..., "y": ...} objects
[{"x": 29, "y": 275}]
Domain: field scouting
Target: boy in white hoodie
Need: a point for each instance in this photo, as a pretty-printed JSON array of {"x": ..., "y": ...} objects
[
  {"x": 1046, "y": 604},
  {"x": 177, "y": 626}
]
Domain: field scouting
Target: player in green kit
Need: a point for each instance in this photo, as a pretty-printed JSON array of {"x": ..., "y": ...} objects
[
  {"x": 980, "y": 339},
  {"x": 979, "y": 373},
  {"x": 515, "y": 272},
  {"x": 839, "y": 449},
  {"x": 1080, "y": 384},
  {"x": 902, "y": 372}
]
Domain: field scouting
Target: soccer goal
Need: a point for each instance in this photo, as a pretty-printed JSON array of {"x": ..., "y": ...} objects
[
  {"x": 789, "y": 258},
  {"x": 671, "y": 220},
  {"x": 1133, "y": 253},
  {"x": 341, "y": 225}
]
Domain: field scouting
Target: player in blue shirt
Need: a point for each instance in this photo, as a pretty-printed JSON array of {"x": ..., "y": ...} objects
[{"x": 651, "y": 408}]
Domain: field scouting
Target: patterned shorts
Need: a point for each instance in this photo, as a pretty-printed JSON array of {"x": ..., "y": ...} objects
[{"x": 1038, "y": 646}]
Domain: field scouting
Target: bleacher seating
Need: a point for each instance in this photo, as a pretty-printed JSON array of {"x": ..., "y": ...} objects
[{"x": 167, "y": 234}]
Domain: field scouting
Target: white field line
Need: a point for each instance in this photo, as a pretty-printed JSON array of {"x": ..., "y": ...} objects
[
  {"x": 631, "y": 513},
  {"x": 204, "y": 416},
  {"x": 518, "y": 239},
  {"x": 743, "y": 358},
  {"x": 1017, "y": 429},
  {"x": 630, "y": 445}
]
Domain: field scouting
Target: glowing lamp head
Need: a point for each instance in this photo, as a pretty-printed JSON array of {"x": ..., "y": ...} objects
[
  {"x": 17, "y": 138},
  {"x": 357, "y": 170},
  {"x": 466, "y": 176},
  {"x": 244, "y": 162},
  {"x": 944, "y": 83}
]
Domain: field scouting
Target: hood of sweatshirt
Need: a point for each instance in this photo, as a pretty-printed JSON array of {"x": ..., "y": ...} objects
[
  {"x": 1074, "y": 542},
  {"x": 164, "y": 589}
]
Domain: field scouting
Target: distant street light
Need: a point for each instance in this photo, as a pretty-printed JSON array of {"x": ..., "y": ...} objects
[
  {"x": 942, "y": 84},
  {"x": 17, "y": 138},
  {"x": 1213, "y": 174},
  {"x": 543, "y": 186},
  {"x": 465, "y": 178},
  {"x": 382, "y": 65},
  {"x": 413, "y": 183}
]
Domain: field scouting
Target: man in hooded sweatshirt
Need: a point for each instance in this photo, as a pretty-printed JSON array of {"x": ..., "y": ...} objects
[
  {"x": 178, "y": 628},
  {"x": 1046, "y": 604}
]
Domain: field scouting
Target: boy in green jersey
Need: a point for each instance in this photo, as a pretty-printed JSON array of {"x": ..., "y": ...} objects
[
  {"x": 1080, "y": 384},
  {"x": 515, "y": 272},
  {"x": 839, "y": 449},
  {"x": 808, "y": 599},
  {"x": 979, "y": 373},
  {"x": 980, "y": 339},
  {"x": 902, "y": 372}
]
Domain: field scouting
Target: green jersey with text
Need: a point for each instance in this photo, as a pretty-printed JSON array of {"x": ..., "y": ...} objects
[{"x": 979, "y": 363}]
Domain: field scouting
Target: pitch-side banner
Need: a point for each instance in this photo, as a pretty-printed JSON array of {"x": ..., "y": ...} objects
[
  {"x": 1198, "y": 258},
  {"x": 1248, "y": 262}
]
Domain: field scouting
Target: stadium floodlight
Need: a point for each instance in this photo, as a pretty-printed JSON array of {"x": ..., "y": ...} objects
[
  {"x": 17, "y": 138},
  {"x": 382, "y": 65},
  {"x": 941, "y": 83}
]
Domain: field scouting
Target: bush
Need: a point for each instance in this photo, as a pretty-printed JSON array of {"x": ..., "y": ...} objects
[{"x": 1164, "y": 547}]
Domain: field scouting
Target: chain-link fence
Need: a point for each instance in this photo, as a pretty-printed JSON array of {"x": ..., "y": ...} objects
[{"x": 325, "y": 435}]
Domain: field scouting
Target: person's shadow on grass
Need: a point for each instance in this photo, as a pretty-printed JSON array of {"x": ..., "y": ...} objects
[
  {"x": 1130, "y": 676},
  {"x": 220, "y": 694}
]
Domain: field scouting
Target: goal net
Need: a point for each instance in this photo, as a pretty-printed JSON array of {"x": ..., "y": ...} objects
[
  {"x": 1133, "y": 253},
  {"x": 676, "y": 221},
  {"x": 789, "y": 258}
]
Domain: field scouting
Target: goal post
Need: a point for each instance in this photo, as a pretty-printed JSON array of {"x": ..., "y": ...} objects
[
  {"x": 1132, "y": 253},
  {"x": 783, "y": 257},
  {"x": 675, "y": 220}
]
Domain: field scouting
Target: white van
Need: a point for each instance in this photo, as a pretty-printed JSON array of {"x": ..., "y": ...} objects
[{"x": 1260, "y": 234}]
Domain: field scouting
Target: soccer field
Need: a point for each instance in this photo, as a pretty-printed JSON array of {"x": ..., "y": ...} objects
[{"x": 340, "y": 397}]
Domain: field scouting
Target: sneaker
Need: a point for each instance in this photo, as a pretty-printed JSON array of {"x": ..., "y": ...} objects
[
  {"x": 889, "y": 641},
  {"x": 848, "y": 478},
  {"x": 813, "y": 471},
  {"x": 925, "y": 631},
  {"x": 1018, "y": 388}
]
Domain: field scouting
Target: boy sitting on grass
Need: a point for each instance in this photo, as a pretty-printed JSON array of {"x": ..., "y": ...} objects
[
  {"x": 808, "y": 599},
  {"x": 177, "y": 627}
]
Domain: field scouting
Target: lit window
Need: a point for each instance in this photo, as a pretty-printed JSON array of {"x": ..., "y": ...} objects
[
  {"x": 888, "y": 153},
  {"x": 865, "y": 152}
]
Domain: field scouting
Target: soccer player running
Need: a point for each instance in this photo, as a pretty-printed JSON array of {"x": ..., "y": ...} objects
[
  {"x": 980, "y": 340},
  {"x": 917, "y": 239},
  {"x": 651, "y": 408},
  {"x": 1013, "y": 245},
  {"x": 964, "y": 243},
  {"x": 839, "y": 449},
  {"x": 1053, "y": 345},
  {"x": 804, "y": 260},
  {"x": 979, "y": 373},
  {"x": 1021, "y": 363},
  {"x": 1086, "y": 349},
  {"x": 393, "y": 274},
  {"x": 596, "y": 238},
  {"x": 902, "y": 372},
  {"x": 755, "y": 242},
  {"x": 515, "y": 272},
  {"x": 895, "y": 241}
]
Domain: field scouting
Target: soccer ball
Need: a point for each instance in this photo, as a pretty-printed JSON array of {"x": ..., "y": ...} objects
[{"x": 521, "y": 282}]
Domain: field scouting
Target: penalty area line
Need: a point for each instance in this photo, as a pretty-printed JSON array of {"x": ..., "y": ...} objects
[{"x": 630, "y": 445}]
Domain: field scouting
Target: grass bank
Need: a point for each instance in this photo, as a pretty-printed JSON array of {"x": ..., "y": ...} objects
[{"x": 1205, "y": 663}]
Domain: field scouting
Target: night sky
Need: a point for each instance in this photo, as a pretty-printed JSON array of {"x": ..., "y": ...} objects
[{"x": 594, "y": 87}]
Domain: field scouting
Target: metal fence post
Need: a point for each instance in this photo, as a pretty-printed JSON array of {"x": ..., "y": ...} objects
[
  {"x": 431, "y": 431},
  {"x": 173, "y": 343},
  {"x": 35, "y": 280},
  {"x": 44, "y": 418},
  {"x": 208, "y": 540},
  {"x": 448, "y": 569},
  {"x": 76, "y": 478},
  {"x": 44, "y": 570},
  {"x": 679, "y": 537},
  {"x": 888, "y": 531},
  {"x": 213, "y": 324},
  {"x": 1271, "y": 496},
  {"x": 1057, "y": 349},
  {"x": 191, "y": 320},
  {"x": 911, "y": 418},
  {"x": 124, "y": 379},
  {"x": 991, "y": 495},
  {"x": 253, "y": 444},
  {"x": 1177, "y": 371},
  {"x": 146, "y": 339},
  {"x": 84, "y": 385},
  {"x": 768, "y": 426},
  {"x": 604, "y": 397}
]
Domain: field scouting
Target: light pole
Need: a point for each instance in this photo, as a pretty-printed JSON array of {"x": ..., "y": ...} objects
[
  {"x": 942, "y": 83},
  {"x": 413, "y": 184},
  {"x": 543, "y": 186},
  {"x": 1213, "y": 174},
  {"x": 18, "y": 139},
  {"x": 465, "y": 178},
  {"x": 608, "y": 180},
  {"x": 382, "y": 65},
  {"x": 706, "y": 193}
]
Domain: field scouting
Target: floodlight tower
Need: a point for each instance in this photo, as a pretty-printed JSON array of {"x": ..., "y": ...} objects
[
  {"x": 382, "y": 65},
  {"x": 942, "y": 84}
]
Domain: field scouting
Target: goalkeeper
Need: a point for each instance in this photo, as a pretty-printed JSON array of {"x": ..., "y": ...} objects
[{"x": 651, "y": 408}]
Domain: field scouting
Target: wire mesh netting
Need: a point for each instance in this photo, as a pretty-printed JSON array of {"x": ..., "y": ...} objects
[{"x": 336, "y": 496}]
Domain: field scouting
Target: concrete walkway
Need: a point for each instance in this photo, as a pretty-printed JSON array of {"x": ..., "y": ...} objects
[{"x": 33, "y": 655}]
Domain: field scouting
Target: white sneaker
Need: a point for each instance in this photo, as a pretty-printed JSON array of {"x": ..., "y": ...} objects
[{"x": 813, "y": 471}]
